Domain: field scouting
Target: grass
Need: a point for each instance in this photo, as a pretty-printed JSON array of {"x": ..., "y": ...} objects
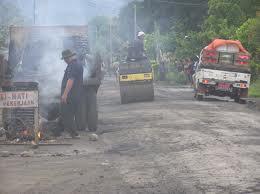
[{"x": 254, "y": 90}]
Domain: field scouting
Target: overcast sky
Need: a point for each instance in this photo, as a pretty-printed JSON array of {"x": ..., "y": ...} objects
[{"x": 65, "y": 12}]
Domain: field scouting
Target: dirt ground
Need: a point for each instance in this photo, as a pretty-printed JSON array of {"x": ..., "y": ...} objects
[{"x": 172, "y": 145}]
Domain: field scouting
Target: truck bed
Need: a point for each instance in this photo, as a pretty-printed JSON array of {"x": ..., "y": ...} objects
[
  {"x": 226, "y": 67},
  {"x": 219, "y": 75}
]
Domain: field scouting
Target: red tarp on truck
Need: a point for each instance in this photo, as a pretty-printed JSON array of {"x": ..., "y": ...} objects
[{"x": 220, "y": 42}]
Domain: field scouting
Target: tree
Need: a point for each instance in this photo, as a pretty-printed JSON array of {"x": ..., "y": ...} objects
[
  {"x": 246, "y": 33},
  {"x": 166, "y": 13},
  {"x": 9, "y": 15},
  {"x": 104, "y": 36}
]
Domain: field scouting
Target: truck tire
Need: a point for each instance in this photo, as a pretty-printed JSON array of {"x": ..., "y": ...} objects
[
  {"x": 237, "y": 99},
  {"x": 92, "y": 112},
  {"x": 242, "y": 93}
]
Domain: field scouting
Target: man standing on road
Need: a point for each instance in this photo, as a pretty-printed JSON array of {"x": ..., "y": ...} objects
[{"x": 71, "y": 89}]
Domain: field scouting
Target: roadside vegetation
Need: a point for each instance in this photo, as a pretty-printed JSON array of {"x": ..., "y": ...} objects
[
  {"x": 254, "y": 90},
  {"x": 180, "y": 29}
]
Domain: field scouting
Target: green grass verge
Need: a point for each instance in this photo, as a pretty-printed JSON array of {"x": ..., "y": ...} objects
[{"x": 254, "y": 90}]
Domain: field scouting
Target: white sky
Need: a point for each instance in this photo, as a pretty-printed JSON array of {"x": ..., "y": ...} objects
[{"x": 65, "y": 12}]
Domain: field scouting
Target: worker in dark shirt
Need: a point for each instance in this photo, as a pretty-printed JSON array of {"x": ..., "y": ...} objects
[
  {"x": 71, "y": 89},
  {"x": 136, "y": 50},
  {"x": 139, "y": 44}
]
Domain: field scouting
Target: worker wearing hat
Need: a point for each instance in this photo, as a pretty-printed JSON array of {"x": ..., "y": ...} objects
[
  {"x": 140, "y": 37},
  {"x": 141, "y": 34},
  {"x": 136, "y": 50},
  {"x": 71, "y": 89}
]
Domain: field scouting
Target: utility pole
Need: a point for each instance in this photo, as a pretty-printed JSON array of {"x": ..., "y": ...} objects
[
  {"x": 96, "y": 34},
  {"x": 135, "y": 31},
  {"x": 157, "y": 34},
  {"x": 34, "y": 12},
  {"x": 110, "y": 43}
]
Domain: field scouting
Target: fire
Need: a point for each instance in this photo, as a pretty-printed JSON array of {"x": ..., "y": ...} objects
[
  {"x": 25, "y": 133},
  {"x": 39, "y": 134}
]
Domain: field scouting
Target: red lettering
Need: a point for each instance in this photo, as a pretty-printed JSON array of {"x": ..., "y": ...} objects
[{"x": 2, "y": 96}]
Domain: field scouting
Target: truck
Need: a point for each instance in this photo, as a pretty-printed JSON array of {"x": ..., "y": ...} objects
[{"x": 223, "y": 70}]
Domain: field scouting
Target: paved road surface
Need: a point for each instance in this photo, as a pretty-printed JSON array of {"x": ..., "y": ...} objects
[{"x": 172, "y": 145}]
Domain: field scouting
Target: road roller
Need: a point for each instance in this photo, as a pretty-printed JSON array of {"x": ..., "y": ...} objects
[{"x": 136, "y": 81}]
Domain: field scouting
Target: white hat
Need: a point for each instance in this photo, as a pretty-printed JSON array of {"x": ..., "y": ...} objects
[{"x": 141, "y": 33}]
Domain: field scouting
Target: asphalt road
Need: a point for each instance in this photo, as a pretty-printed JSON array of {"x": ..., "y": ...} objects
[{"x": 172, "y": 145}]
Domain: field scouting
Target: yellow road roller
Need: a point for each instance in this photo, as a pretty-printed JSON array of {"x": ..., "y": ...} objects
[{"x": 136, "y": 81}]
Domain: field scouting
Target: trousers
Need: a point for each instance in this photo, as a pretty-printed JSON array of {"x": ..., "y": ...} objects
[{"x": 69, "y": 116}]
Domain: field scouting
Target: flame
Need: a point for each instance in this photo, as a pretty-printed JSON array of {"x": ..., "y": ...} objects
[
  {"x": 39, "y": 134},
  {"x": 25, "y": 132}
]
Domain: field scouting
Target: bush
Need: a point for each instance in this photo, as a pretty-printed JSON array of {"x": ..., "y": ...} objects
[
  {"x": 254, "y": 90},
  {"x": 155, "y": 67},
  {"x": 176, "y": 77},
  {"x": 255, "y": 69}
]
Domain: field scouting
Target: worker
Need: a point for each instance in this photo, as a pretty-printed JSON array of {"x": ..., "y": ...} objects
[
  {"x": 136, "y": 51},
  {"x": 139, "y": 44},
  {"x": 71, "y": 89}
]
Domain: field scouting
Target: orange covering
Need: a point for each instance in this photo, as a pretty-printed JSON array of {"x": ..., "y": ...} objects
[{"x": 219, "y": 42}]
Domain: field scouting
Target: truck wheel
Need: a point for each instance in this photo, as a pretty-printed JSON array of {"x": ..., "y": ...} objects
[
  {"x": 243, "y": 94},
  {"x": 92, "y": 113},
  {"x": 237, "y": 99}
]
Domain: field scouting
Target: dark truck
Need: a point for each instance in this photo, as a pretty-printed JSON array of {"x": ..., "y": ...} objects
[{"x": 35, "y": 55}]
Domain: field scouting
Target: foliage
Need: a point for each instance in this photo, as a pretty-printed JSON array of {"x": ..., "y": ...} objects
[
  {"x": 246, "y": 33},
  {"x": 155, "y": 67},
  {"x": 9, "y": 15},
  {"x": 185, "y": 27},
  {"x": 167, "y": 14},
  {"x": 165, "y": 42},
  {"x": 103, "y": 30},
  {"x": 254, "y": 90},
  {"x": 150, "y": 45},
  {"x": 176, "y": 77}
]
